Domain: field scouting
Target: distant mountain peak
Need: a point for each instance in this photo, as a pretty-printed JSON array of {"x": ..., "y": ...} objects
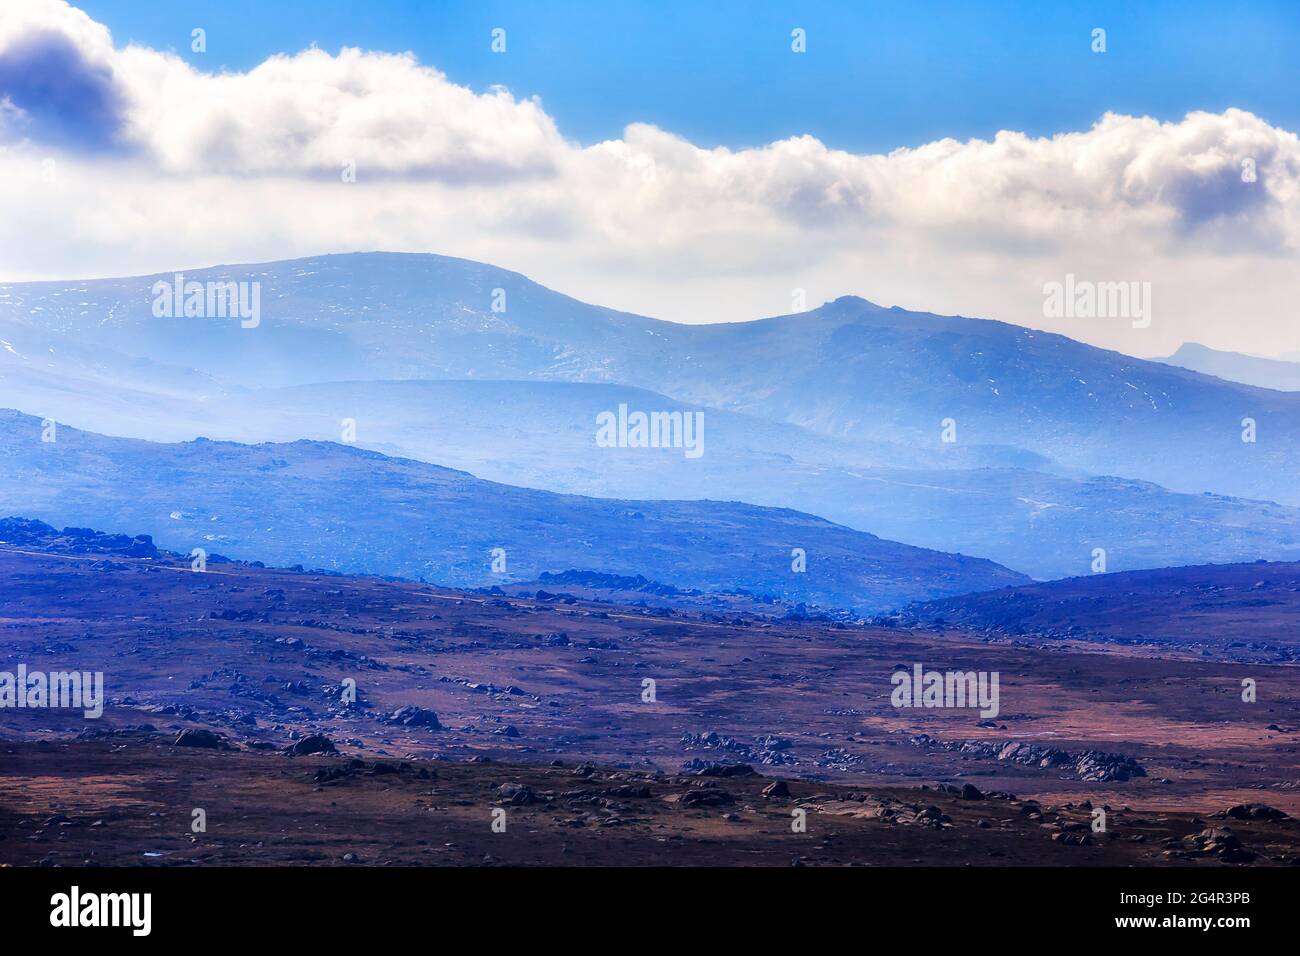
[
  {"x": 1273, "y": 373},
  {"x": 855, "y": 302},
  {"x": 1196, "y": 348}
]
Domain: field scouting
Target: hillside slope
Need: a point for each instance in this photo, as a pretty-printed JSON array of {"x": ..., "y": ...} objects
[
  {"x": 340, "y": 507},
  {"x": 1245, "y": 611}
]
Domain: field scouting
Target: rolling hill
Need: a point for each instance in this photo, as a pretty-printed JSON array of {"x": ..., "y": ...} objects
[
  {"x": 1228, "y": 611},
  {"x": 992, "y": 501},
  {"x": 348, "y": 509}
]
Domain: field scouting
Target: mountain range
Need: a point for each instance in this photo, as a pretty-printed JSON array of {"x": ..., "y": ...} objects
[
  {"x": 850, "y": 369},
  {"x": 346, "y": 509},
  {"x": 1060, "y": 448}
]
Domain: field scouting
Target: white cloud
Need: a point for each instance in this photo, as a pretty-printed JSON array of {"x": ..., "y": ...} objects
[
  {"x": 203, "y": 168},
  {"x": 21, "y": 20},
  {"x": 313, "y": 111}
]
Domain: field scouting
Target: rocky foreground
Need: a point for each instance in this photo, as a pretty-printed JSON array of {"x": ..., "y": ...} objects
[
  {"x": 145, "y": 798},
  {"x": 300, "y": 710}
]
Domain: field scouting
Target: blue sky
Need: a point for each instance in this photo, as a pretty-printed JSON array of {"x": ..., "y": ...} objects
[
  {"x": 868, "y": 165},
  {"x": 876, "y": 75}
]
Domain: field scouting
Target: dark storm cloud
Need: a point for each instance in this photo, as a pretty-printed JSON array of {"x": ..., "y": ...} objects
[
  {"x": 1205, "y": 196},
  {"x": 65, "y": 99}
]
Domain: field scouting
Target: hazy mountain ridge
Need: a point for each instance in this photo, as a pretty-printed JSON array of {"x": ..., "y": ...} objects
[
  {"x": 1280, "y": 374},
  {"x": 849, "y": 369},
  {"x": 1235, "y": 611},
  {"x": 1039, "y": 519},
  {"x": 961, "y": 498},
  {"x": 349, "y": 509}
]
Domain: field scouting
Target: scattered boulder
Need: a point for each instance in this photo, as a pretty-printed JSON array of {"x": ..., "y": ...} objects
[
  {"x": 767, "y": 749},
  {"x": 703, "y": 797},
  {"x": 1220, "y": 842},
  {"x": 200, "y": 738},
  {"x": 777, "y": 790},
  {"x": 703, "y": 768},
  {"x": 517, "y": 794},
  {"x": 1251, "y": 811},
  {"x": 1091, "y": 765},
  {"x": 358, "y": 767},
  {"x": 412, "y": 716},
  {"x": 327, "y": 774},
  {"x": 629, "y": 791},
  {"x": 315, "y": 744}
]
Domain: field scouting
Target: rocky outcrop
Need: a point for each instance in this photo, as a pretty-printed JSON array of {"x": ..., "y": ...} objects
[
  {"x": 205, "y": 739},
  {"x": 37, "y": 535},
  {"x": 1218, "y": 842},
  {"x": 517, "y": 794},
  {"x": 610, "y": 582},
  {"x": 1251, "y": 811},
  {"x": 357, "y": 767},
  {"x": 706, "y": 798},
  {"x": 1092, "y": 765},
  {"x": 412, "y": 716},
  {"x": 314, "y": 744},
  {"x": 706, "y": 768},
  {"x": 767, "y": 749}
]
